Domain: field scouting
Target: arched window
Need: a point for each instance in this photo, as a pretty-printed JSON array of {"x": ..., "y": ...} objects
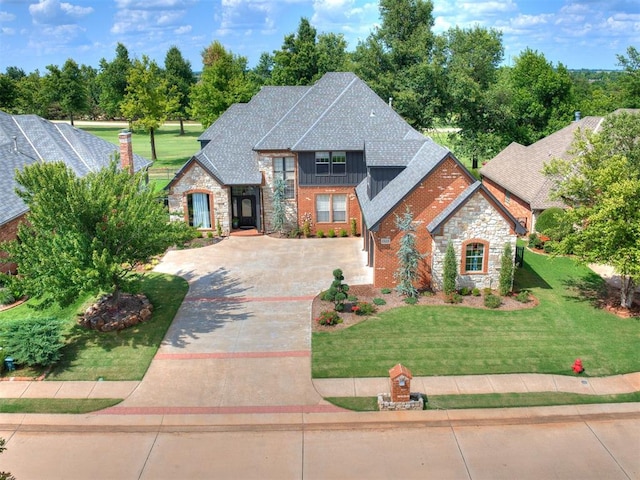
[
  {"x": 475, "y": 257},
  {"x": 199, "y": 210}
]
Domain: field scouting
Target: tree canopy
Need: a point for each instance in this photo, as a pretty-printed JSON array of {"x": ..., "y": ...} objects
[
  {"x": 86, "y": 235},
  {"x": 180, "y": 78},
  {"x": 601, "y": 184}
]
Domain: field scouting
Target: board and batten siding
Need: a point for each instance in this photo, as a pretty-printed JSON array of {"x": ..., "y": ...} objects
[
  {"x": 356, "y": 170},
  {"x": 380, "y": 177}
]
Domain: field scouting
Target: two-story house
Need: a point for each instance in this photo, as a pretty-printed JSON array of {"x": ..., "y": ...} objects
[{"x": 344, "y": 154}]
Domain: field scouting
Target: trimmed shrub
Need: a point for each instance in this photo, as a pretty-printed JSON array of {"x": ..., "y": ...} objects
[
  {"x": 453, "y": 298},
  {"x": 552, "y": 223},
  {"x": 320, "y": 234},
  {"x": 386, "y": 291},
  {"x": 492, "y": 301},
  {"x": 32, "y": 341},
  {"x": 329, "y": 317},
  {"x": 364, "y": 308},
  {"x": 343, "y": 233},
  {"x": 465, "y": 291},
  {"x": 379, "y": 301},
  {"x": 534, "y": 241},
  {"x": 411, "y": 300},
  {"x": 331, "y": 233},
  {"x": 6, "y": 296},
  {"x": 338, "y": 291},
  {"x": 506, "y": 270},
  {"x": 523, "y": 297},
  {"x": 450, "y": 270},
  {"x": 486, "y": 291},
  {"x": 352, "y": 298},
  {"x": 475, "y": 292},
  {"x": 354, "y": 227}
]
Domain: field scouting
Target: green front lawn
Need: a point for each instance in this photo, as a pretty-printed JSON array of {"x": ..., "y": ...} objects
[
  {"x": 446, "y": 340},
  {"x": 124, "y": 355}
]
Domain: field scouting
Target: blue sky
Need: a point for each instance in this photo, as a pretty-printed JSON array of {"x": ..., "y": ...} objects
[{"x": 37, "y": 33}]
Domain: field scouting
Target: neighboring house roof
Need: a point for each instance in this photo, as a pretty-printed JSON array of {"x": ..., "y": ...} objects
[
  {"x": 338, "y": 112},
  {"x": 519, "y": 169},
  {"x": 29, "y": 139}
]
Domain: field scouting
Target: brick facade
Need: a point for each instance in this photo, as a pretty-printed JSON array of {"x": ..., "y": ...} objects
[
  {"x": 520, "y": 209},
  {"x": 307, "y": 205},
  {"x": 8, "y": 232},
  {"x": 426, "y": 201}
]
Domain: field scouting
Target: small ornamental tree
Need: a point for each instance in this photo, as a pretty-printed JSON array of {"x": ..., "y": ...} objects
[
  {"x": 279, "y": 187},
  {"x": 506, "y": 270},
  {"x": 338, "y": 291},
  {"x": 450, "y": 270},
  {"x": 408, "y": 256}
]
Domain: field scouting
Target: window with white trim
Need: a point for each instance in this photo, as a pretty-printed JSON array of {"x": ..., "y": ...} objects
[
  {"x": 199, "y": 210},
  {"x": 331, "y": 163},
  {"x": 284, "y": 168},
  {"x": 323, "y": 160},
  {"x": 331, "y": 208},
  {"x": 474, "y": 257}
]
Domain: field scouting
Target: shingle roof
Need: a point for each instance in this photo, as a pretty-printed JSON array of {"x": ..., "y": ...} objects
[
  {"x": 339, "y": 112},
  {"x": 519, "y": 169},
  {"x": 423, "y": 162},
  {"x": 28, "y": 139}
]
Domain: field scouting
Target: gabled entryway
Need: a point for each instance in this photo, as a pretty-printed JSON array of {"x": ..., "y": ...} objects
[{"x": 245, "y": 208}]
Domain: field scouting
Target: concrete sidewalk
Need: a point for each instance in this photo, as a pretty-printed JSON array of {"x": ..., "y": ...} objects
[{"x": 362, "y": 387}]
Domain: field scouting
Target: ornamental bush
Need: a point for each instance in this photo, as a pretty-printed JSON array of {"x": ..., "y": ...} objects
[
  {"x": 329, "y": 317},
  {"x": 338, "y": 291},
  {"x": 364, "y": 308},
  {"x": 523, "y": 297},
  {"x": 450, "y": 270},
  {"x": 32, "y": 341},
  {"x": 379, "y": 301},
  {"x": 506, "y": 270},
  {"x": 492, "y": 301}
]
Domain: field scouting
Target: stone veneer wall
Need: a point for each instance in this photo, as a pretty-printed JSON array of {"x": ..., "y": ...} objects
[
  {"x": 196, "y": 179},
  {"x": 265, "y": 164},
  {"x": 477, "y": 219}
]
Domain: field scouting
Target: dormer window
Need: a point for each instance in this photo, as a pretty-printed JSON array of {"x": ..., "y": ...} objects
[{"x": 331, "y": 163}]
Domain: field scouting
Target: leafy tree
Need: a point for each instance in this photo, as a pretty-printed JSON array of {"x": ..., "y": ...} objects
[
  {"x": 296, "y": 63},
  {"x": 90, "y": 79},
  {"x": 149, "y": 99},
  {"x": 113, "y": 81},
  {"x": 261, "y": 73},
  {"x": 408, "y": 256},
  {"x": 8, "y": 93},
  {"x": 505, "y": 282},
  {"x": 67, "y": 88},
  {"x": 224, "y": 81},
  {"x": 631, "y": 79},
  {"x": 552, "y": 223},
  {"x": 450, "y": 270},
  {"x": 179, "y": 75},
  {"x": 279, "y": 187},
  {"x": 601, "y": 184},
  {"x": 332, "y": 54},
  {"x": 31, "y": 98},
  {"x": 86, "y": 235}
]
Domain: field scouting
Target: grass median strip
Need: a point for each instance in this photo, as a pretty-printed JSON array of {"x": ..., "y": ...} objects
[
  {"x": 56, "y": 405},
  {"x": 492, "y": 400}
]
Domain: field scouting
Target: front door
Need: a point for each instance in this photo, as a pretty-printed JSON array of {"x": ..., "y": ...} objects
[{"x": 246, "y": 208}]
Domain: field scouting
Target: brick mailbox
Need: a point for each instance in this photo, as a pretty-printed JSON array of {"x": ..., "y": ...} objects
[{"x": 400, "y": 378}]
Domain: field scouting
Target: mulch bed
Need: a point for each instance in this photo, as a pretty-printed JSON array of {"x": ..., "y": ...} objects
[{"x": 366, "y": 293}]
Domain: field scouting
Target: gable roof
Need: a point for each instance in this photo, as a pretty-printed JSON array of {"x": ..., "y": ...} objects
[
  {"x": 338, "y": 112},
  {"x": 461, "y": 199},
  {"x": 519, "y": 169},
  {"x": 29, "y": 139},
  {"x": 425, "y": 160}
]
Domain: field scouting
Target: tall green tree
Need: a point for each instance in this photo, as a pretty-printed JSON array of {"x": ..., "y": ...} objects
[
  {"x": 296, "y": 63},
  {"x": 113, "y": 81},
  {"x": 67, "y": 88},
  {"x": 86, "y": 235},
  {"x": 449, "y": 270},
  {"x": 331, "y": 54},
  {"x": 31, "y": 97},
  {"x": 631, "y": 79},
  {"x": 224, "y": 81},
  {"x": 179, "y": 75},
  {"x": 601, "y": 184},
  {"x": 409, "y": 256},
  {"x": 90, "y": 79},
  {"x": 149, "y": 99}
]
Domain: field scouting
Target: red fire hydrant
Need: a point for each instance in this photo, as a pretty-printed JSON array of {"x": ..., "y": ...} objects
[{"x": 577, "y": 366}]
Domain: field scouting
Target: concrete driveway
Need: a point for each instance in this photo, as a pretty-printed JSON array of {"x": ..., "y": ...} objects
[{"x": 241, "y": 340}]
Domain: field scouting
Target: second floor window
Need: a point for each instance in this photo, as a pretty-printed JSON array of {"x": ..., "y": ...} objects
[
  {"x": 284, "y": 168},
  {"x": 331, "y": 163}
]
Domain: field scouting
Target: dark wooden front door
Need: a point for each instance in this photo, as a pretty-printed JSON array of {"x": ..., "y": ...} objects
[{"x": 246, "y": 208}]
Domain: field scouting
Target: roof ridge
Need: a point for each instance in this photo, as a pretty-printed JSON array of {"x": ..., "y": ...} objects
[
  {"x": 326, "y": 111},
  {"x": 286, "y": 114},
  {"x": 57, "y": 127},
  {"x": 26, "y": 137}
]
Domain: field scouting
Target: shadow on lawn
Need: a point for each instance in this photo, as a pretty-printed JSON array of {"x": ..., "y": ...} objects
[
  {"x": 526, "y": 278},
  {"x": 590, "y": 288}
]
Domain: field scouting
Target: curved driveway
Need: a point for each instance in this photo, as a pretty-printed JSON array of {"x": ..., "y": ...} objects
[{"x": 242, "y": 337}]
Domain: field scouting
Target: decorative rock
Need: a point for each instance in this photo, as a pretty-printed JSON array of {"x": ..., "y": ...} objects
[
  {"x": 416, "y": 402},
  {"x": 104, "y": 317}
]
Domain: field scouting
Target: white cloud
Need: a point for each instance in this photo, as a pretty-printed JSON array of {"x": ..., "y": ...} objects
[
  {"x": 54, "y": 12},
  {"x": 183, "y": 29},
  {"x": 7, "y": 31},
  {"x": 7, "y": 17}
]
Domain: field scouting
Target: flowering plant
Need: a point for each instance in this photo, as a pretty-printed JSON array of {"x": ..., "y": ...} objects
[{"x": 329, "y": 317}]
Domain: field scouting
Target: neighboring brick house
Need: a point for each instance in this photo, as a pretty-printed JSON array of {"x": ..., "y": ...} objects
[
  {"x": 515, "y": 177},
  {"x": 29, "y": 139},
  {"x": 344, "y": 154}
]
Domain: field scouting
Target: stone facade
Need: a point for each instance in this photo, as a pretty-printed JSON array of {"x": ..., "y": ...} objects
[
  {"x": 265, "y": 165},
  {"x": 196, "y": 179},
  {"x": 479, "y": 221}
]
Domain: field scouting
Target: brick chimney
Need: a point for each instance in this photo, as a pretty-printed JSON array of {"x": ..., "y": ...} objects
[{"x": 126, "y": 151}]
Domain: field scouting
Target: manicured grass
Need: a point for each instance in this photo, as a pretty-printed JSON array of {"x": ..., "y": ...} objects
[
  {"x": 123, "y": 355},
  {"x": 56, "y": 405},
  {"x": 446, "y": 340},
  {"x": 492, "y": 400},
  {"x": 173, "y": 149}
]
